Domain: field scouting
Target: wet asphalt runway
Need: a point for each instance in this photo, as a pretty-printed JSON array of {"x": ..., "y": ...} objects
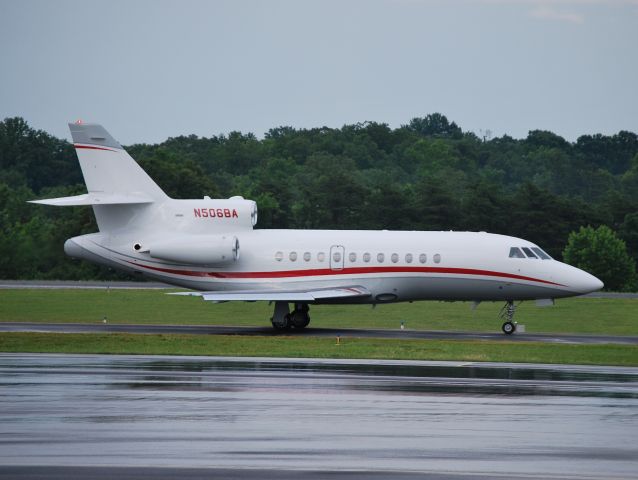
[
  {"x": 124, "y": 417},
  {"x": 312, "y": 332}
]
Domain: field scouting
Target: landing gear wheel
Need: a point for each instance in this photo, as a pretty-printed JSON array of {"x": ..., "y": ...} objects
[
  {"x": 285, "y": 325},
  {"x": 283, "y": 319},
  {"x": 299, "y": 318},
  {"x": 508, "y": 328},
  {"x": 281, "y": 316}
]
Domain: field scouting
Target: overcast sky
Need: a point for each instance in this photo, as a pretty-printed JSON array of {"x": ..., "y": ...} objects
[{"x": 149, "y": 70}]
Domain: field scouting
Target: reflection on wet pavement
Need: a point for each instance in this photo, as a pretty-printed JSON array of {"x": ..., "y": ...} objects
[{"x": 318, "y": 415}]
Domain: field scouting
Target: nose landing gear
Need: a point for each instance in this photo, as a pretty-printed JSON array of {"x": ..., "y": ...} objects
[
  {"x": 283, "y": 319},
  {"x": 507, "y": 313}
]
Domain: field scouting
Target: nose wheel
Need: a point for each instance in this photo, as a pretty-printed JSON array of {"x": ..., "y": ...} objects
[
  {"x": 508, "y": 328},
  {"x": 507, "y": 314}
]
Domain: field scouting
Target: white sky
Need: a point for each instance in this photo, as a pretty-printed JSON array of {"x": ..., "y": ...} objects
[{"x": 151, "y": 69}]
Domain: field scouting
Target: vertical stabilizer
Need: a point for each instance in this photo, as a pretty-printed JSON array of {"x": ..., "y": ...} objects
[
  {"x": 118, "y": 188},
  {"x": 106, "y": 166}
]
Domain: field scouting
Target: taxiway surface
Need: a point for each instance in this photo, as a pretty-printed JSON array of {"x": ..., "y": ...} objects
[
  {"x": 94, "y": 416},
  {"x": 312, "y": 332}
]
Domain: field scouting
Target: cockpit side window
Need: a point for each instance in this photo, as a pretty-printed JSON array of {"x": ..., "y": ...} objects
[
  {"x": 515, "y": 252},
  {"x": 541, "y": 253},
  {"x": 529, "y": 253}
]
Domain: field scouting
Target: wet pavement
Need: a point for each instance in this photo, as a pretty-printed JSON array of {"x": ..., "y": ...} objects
[{"x": 94, "y": 416}]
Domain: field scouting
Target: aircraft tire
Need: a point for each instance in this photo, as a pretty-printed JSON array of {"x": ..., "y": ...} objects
[
  {"x": 287, "y": 323},
  {"x": 300, "y": 319},
  {"x": 508, "y": 328}
]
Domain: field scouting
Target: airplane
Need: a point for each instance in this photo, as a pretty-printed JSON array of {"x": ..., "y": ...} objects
[{"x": 196, "y": 244}]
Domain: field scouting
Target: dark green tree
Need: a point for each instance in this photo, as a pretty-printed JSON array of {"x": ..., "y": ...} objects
[
  {"x": 600, "y": 252},
  {"x": 179, "y": 178},
  {"x": 629, "y": 233},
  {"x": 434, "y": 124},
  {"x": 330, "y": 193}
]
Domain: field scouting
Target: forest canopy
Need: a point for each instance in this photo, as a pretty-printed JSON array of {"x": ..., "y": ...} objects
[{"x": 428, "y": 174}]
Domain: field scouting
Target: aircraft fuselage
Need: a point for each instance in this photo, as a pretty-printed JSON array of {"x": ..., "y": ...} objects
[{"x": 392, "y": 265}]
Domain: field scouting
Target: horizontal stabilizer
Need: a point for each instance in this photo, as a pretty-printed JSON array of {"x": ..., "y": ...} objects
[
  {"x": 281, "y": 295},
  {"x": 96, "y": 198}
]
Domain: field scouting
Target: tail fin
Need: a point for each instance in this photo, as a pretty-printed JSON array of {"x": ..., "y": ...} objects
[
  {"x": 117, "y": 185},
  {"x": 106, "y": 166}
]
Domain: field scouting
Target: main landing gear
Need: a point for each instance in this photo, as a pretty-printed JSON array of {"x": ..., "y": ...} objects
[
  {"x": 283, "y": 319},
  {"x": 507, "y": 314}
]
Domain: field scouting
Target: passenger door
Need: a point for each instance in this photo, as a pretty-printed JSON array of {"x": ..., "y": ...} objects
[{"x": 337, "y": 254}]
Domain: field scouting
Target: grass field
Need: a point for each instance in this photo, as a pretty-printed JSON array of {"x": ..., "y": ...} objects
[
  {"x": 309, "y": 347},
  {"x": 576, "y": 315}
]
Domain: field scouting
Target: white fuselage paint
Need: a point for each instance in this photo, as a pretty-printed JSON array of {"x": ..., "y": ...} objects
[{"x": 471, "y": 266}]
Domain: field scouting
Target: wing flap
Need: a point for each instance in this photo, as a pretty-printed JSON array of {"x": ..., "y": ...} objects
[{"x": 281, "y": 295}]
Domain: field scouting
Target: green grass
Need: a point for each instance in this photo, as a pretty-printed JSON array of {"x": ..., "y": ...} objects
[
  {"x": 312, "y": 347},
  {"x": 580, "y": 315},
  {"x": 576, "y": 315}
]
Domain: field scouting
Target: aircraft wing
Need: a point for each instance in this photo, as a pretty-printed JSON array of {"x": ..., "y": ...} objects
[{"x": 281, "y": 295}]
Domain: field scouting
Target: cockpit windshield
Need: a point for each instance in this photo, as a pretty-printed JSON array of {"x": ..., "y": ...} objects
[
  {"x": 541, "y": 253},
  {"x": 529, "y": 252}
]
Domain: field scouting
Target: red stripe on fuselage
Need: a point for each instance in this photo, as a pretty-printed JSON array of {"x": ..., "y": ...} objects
[
  {"x": 92, "y": 147},
  {"x": 345, "y": 271}
]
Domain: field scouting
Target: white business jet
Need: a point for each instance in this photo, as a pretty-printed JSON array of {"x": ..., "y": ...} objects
[{"x": 196, "y": 244}]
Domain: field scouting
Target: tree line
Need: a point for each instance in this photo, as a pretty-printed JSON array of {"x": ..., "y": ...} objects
[{"x": 426, "y": 175}]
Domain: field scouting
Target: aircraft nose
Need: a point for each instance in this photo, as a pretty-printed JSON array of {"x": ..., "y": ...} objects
[
  {"x": 587, "y": 283},
  {"x": 597, "y": 284}
]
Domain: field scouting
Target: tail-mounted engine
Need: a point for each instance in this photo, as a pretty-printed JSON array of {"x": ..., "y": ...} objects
[{"x": 201, "y": 250}]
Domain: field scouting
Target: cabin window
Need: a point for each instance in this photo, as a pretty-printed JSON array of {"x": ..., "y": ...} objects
[
  {"x": 541, "y": 253},
  {"x": 423, "y": 258},
  {"x": 515, "y": 252},
  {"x": 394, "y": 258},
  {"x": 366, "y": 257},
  {"x": 321, "y": 256},
  {"x": 336, "y": 256},
  {"x": 380, "y": 257},
  {"x": 529, "y": 253},
  {"x": 279, "y": 256},
  {"x": 437, "y": 258},
  {"x": 352, "y": 257},
  {"x": 293, "y": 256},
  {"x": 408, "y": 258},
  {"x": 306, "y": 256}
]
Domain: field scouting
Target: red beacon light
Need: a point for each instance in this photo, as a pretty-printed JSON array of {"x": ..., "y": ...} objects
[{"x": 79, "y": 122}]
